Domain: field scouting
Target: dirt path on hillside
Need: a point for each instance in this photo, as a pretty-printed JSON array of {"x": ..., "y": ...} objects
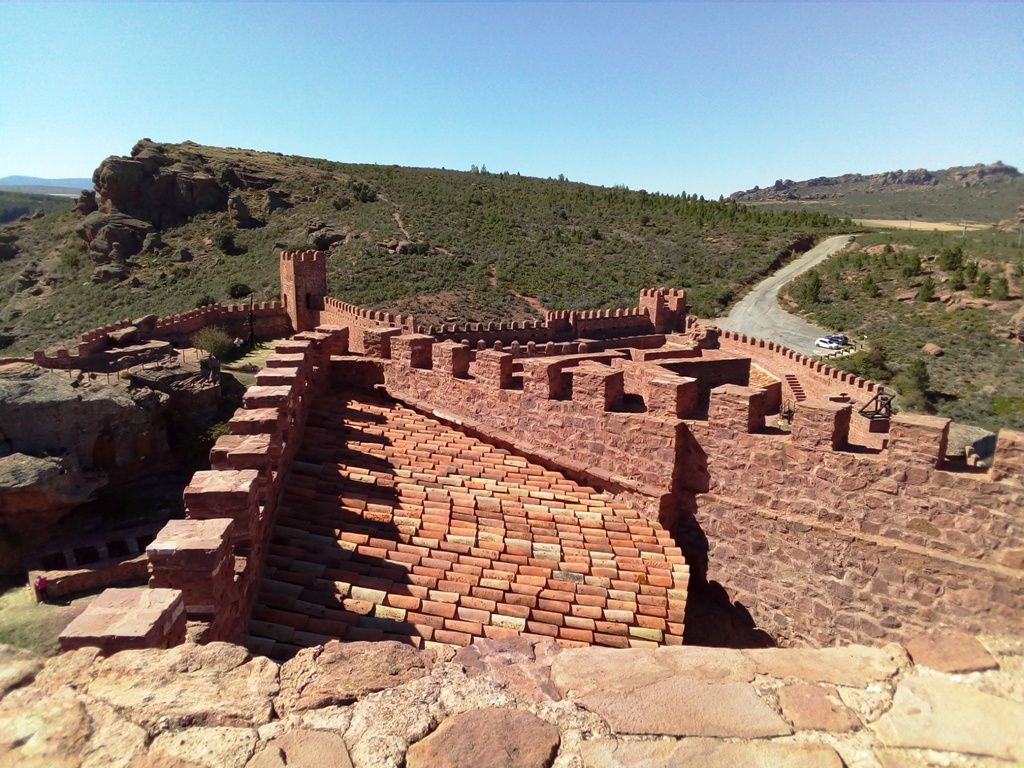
[{"x": 760, "y": 314}]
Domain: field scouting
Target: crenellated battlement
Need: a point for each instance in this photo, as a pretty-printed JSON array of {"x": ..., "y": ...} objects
[{"x": 826, "y": 530}]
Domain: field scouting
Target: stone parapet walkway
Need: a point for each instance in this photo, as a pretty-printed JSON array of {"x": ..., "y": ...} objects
[
  {"x": 395, "y": 526},
  {"x": 518, "y": 702}
]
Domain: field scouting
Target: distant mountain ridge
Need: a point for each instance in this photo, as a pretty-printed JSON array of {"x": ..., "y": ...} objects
[{"x": 982, "y": 192}]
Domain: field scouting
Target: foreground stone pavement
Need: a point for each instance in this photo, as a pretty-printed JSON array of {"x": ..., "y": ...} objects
[{"x": 518, "y": 702}]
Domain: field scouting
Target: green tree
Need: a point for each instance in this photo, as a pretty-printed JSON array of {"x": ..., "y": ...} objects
[
  {"x": 912, "y": 383},
  {"x": 971, "y": 271},
  {"x": 869, "y": 287},
  {"x": 956, "y": 280},
  {"x": 807, "y": 289},
  {"x": 927, "y": 292}
]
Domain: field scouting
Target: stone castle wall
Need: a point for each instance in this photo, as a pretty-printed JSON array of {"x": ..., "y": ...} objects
[
  {"x": 824, "y": 545},
  {"x": 823, "y": 537}
]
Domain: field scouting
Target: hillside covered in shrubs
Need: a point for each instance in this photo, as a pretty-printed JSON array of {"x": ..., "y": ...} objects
[{"x": 176, "y": 225}]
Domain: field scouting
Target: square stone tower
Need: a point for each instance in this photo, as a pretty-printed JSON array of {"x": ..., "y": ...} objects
[{"x": 303, "y": 287}]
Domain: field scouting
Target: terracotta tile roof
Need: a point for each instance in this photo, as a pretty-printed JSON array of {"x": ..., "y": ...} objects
[{"x": 395, "y": 526}]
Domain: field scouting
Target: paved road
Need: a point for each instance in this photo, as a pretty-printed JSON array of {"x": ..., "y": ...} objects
[{"x": 759, "y": 313}]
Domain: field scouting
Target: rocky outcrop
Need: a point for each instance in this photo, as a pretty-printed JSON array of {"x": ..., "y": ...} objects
[
  {"x": 516, "y": 702},
  {"x": 824, "y": 187},
  {"x": 35, "y": 492},
  {"x": 70, "y": 435},
  {"x": 238, "y": 213},
  {"x": 85, "y": 203},
  {"x": 153, "y": 187}
]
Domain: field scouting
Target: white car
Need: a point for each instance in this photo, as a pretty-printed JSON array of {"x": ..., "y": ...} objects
[{"x": 827, "y": 343}]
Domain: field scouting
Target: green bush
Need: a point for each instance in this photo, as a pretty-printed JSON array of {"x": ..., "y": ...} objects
[
  {"x": 1000, "y": 288},
  {"x": 952, "y": 259},
  {"x": 205, "y": 301},
  {"x": 981, "y": 288},
  {"x": 224, "y": 239},
  {"x": 214, "y": 340},
  {"x": 971, "y": 271},
  {"x": 869, "y": 287},
  {"x": 239, "y": 290},
  {"x": 956, "y": 281}
]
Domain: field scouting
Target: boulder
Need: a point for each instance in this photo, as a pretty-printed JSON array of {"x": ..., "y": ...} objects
[
  {"x": 85, "y": 203},
  {"x": 109, "y": 273},
  {"x": 933, "y": 349},
  {"x": 122, "y": 337},
  {"x": 153, "y": 243},
  {"x": 183, "y": 255},
  {"x": 8, "y": 245},
  {"x": 238, "y": 213},
  {"x": 110, "y": 236},
  {"x": 1015, "y": 327}
]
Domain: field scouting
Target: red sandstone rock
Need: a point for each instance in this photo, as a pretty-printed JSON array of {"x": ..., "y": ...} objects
[
  {"x": 487, "y": 738},
  {"x": 814, "y": 707},
  {"x": 950, "y": 651},
  {"x": 339, "y": 673}
]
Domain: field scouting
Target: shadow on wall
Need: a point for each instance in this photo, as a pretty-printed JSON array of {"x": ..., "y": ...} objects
[{"x": 712, "y": 619}]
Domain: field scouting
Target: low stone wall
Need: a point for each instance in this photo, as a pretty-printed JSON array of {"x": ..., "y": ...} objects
[{"x": 270, "y": 321}]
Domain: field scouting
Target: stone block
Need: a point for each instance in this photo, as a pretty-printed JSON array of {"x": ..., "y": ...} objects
[
  {"x": 452, "y": 359},
  {"x": 494, "y": 368},
  {"x": 195, "y": 557},
  {"x": 336, "y": 342},
  {"x": 675, "y": 396},
  {"x": 191, "y": 545},
  {"x": 277, "y": 377},
  {"x": 1008, "y": 460},
  {"x": 221, "y": 493},
  {"x": 256, "y": 421},
  {"x": 597, "y": 386},
  {"x": 377, "y": 341},
  {"x": 917, "y": 439},
  {"x": 739, "y": 408},
  {"x": 121, "y": 619},
  {"x": 821, "y": 424},
  {"x": 251, "y": 452},
  {"x": 266, "y": 397},
  {"x": 412, "y": 350},
  {"x": 543, "y": 378},
  {"x": 289, "y": 360}
]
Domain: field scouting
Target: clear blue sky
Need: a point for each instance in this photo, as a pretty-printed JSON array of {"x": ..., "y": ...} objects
[{"x": 707, "y": 98}]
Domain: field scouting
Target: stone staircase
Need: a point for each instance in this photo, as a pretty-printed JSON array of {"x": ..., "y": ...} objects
[{"x": 794, "y": 385}]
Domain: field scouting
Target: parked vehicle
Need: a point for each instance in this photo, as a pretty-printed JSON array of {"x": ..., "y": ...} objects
[
  {"x": 826, "y": 342},
  {"x": 839, "y": 338}
]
